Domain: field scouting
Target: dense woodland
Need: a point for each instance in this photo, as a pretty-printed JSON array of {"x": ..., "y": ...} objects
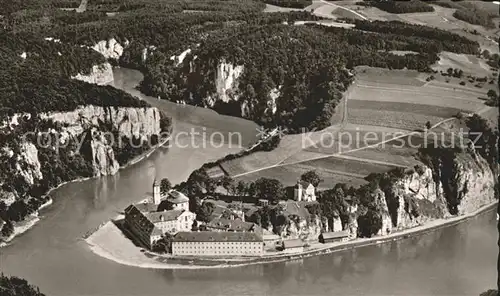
[
  {"x": 408, "y": 6},
  {"x": 470, "y": 13},
  {"x": 290, "y": 3},
  {"x": 321, "y": 54},
  {"x": 14, "y": 286}
]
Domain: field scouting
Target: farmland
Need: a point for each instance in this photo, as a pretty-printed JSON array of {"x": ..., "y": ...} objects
[{"x": 288, "y": 175}]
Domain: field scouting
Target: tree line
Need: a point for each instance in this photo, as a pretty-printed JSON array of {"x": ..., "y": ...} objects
[{"x": 408, "y": 6}]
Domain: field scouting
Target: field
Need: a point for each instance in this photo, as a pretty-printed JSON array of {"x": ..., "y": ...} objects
[
  {"x": 468, "y": 63},
  {"x": 288, "y": 175}
]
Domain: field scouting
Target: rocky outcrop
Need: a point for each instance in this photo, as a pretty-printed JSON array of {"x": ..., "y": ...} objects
[
  {"x": 303, "y": 229},
  {"x": 99, "y": 74},
  {"x": 27, "y": 163},
  {"x": 226, "y": 81},
  {"x": 421, "y": 196},
  {"x": 131, "y": 123},
  {"x": 110, "y": 49}
]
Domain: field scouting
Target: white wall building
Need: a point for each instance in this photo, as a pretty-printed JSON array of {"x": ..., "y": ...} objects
[
  {"x": 304, "y": 191},
  {"x": 148, "y": 222},
  {"x": 223, "y": 244}
]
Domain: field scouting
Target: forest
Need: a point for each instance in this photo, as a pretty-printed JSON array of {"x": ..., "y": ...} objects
[
  {"x": 14, "y": 286},
  {"x": 405, "y": 6},
  {"x": 307, "y": 100},
  {"x": 35, "y": 77},
  {"x": 290, "y": 3},
  {"x": 470, "y": 13}
]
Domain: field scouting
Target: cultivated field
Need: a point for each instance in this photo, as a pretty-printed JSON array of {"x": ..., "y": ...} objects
[{"x": 289, "y": 175}]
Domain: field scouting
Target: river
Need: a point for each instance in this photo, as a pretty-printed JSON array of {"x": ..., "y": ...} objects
[{"x": 458, "y": 260}]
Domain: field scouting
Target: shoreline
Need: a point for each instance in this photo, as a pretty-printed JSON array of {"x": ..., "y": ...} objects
[
  {"x": 151, "y": 260},
  {"x": 34, "y": 218}
]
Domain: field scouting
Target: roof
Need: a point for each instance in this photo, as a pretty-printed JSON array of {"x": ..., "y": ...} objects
[
  {"x": 217, "y": 236},
  {"x": 146, "y": 207},
  {"x": 177, "y": 197},
  {"x": 338, "y": 234},
  {"x": 271, "y": 237},
  {"x": 296, "y": 208},
  {"x": 232, "y": 225},
  {"x": 293, "y": 243},
  {"x": 132, "y": 212},
  {"x": 217, "y": 213},
  {"x": 156, "y": 217}
]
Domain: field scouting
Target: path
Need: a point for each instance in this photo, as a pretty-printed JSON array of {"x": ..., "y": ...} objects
[
  {"x": 342, "y": 7},
  {"x": 82, "y": 7}
]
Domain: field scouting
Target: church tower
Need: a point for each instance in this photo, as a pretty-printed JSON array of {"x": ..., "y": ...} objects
[{"x": 156, "y": 192}]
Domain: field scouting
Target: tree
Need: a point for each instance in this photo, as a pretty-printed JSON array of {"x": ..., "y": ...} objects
[
  {"x": 314, "y": 209},
  {"x": 14, "y": 286},
  {"x": 205, "y": 211},
  {"x": 229, "y": 184},
  {"x": 194, "y": 227},
  {"x": 486, "y": 54},
  {"x": 270, "y": 189},
  {"x": 226, "y": 214},
  {"x": 370, "y": 223},
  {"x": 256, "y": 218},
  {"x": 241, "y": 188},
  {"x": 311, "y": 177},
  {"x": 164, "y": 244},
  {"x": 492, "y": 94},
  {"x": 165, "y": 205},
  {"x": 165, "y": 186},
  {"x": 7, "y": 229}
]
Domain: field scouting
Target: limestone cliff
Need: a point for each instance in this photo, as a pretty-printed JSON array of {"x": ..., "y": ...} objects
[
  {"x": 421, "y": 196},
  {"x": 415, "y": 197},
  {"x": 306, "y": 229},
  {"x": 99, "y": 74},
  {"x": 128, "y": 123},
  {"x": 110, "y": 49}
]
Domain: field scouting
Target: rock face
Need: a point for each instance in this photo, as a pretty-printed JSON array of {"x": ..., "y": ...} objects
[
  {"x": 140, "y": 123},
  {"x": 303, "y": 229},
  {"x": 110, "y": 49},
  {"x": 421, "y": 198},
  {"x": 29, "y": 158},
  {"x": 100, "y": 75},
  {"x": 414, "y": 199},
  {"x": 226, "y": 81}
]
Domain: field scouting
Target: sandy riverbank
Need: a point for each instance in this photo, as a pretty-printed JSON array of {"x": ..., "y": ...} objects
[{"x": 110, "y": 243}]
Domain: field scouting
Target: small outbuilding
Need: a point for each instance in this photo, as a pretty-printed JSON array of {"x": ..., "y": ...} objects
[
  {"x": 333, "y": 237},
  {"x": 293, "y": 245},
  {"x": 263, "y": 202}
]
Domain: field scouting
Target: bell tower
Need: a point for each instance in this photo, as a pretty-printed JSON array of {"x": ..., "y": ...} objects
[{"x": 156, "y": 192}]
